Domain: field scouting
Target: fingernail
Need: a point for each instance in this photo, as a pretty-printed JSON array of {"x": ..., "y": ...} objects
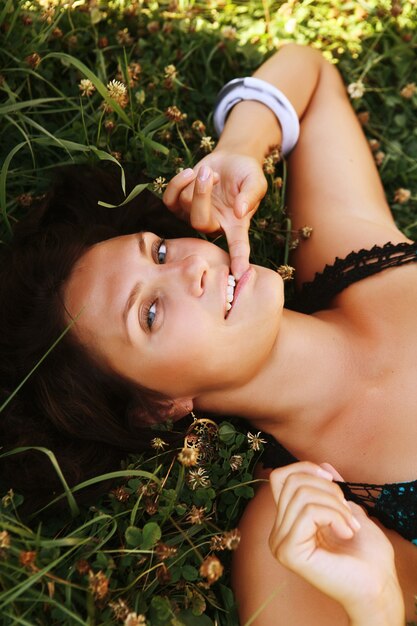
[
  {"x": 187, "y": 173},
  {"x": 244, "y": 208},
  {"x": 204, "y": 173},
  {"x": 321, "y": 472}
]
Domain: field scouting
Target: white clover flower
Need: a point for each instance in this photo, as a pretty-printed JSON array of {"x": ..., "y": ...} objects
[
  {"x": 86, "y": 87},
  {"x": 356, "y": 90},
  {"x": 255, "y": 441}
]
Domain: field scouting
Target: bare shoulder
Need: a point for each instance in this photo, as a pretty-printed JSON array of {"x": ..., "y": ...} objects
[{"x": 265, "y": 588}]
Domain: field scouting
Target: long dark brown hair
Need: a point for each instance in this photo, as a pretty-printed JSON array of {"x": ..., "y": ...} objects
[{"x": 88, "y": 416}]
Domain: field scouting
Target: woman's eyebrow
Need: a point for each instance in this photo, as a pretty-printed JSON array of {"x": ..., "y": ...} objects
[
  {"x": 133, "y": 296},
  {"x": 142, "y": 244},
  {"x": 136, "y": 289}
]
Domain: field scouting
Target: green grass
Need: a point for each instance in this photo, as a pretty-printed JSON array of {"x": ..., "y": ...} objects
[{"x": 49, "y": 571}]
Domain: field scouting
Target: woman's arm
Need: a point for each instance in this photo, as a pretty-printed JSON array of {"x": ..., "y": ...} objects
[
  {"x": 334, "y": 546},
  {"x": 251, "y": 127},
  {"x": 334, "y": 184},
  {"x": 313, "y": 574},
  {"x": 228, "y": 201}
]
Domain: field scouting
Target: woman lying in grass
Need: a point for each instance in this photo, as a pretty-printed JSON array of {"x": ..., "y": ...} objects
[{"x": 157, "y": 327}]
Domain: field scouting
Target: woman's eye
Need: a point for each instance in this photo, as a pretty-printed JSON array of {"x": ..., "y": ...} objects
[
  {"x": 151, "y": 315},
  {"x": 161, "y": 251}
]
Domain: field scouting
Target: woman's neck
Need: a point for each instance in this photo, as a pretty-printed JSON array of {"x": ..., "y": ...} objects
[{"x": 303, "y": 380}]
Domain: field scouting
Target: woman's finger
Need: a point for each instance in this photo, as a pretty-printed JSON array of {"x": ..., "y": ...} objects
[
  {"x": 329, "y": 468},
  {"x": 201, "y": 215},
  {"x": 237, "y": 235},
  {"x": 251, "y": 192},
  {"x": 278, "y": 476},
  {"x": 299, "y": 481},
  {"x": 292, "y": 505},
  {"x": 296, "y": 546},
  {"x": 175, "y": 187}
]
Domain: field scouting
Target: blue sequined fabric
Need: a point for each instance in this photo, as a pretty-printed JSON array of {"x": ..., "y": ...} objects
[{"x": 393, "y": 504}]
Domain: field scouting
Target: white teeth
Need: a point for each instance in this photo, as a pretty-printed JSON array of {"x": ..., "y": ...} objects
[{"x": 230, "y": 291}]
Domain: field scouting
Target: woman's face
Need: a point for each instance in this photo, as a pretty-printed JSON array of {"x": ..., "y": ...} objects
[{"x": 156, "y": 312}]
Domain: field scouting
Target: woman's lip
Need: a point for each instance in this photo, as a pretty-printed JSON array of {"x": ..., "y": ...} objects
[{"x": 239, "y": 286}]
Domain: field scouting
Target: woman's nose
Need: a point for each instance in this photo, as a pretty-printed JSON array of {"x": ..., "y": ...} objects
[{"x": 190, "y": 273}]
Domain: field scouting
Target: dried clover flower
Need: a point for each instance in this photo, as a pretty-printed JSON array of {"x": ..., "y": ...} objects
[
  {"x": 363, "y": 117},
  {"x": 197, "y": 515},
  {"x": 4, "y": 539},
  {"x": 174, "y": 114},
  {"x": 170, "y": 71},
  {"x": 121, "y": 494},
  {"x": 229, "y": 32},
  {"x": 27, "y": 559},
  {"x": 211, "y": 569},
  {"x": 268, "y": 165},
  {"x": 306, "y": 232},
  {"x": 198, "y": 127},
  {"x": 33, "y": 60},
  {"x": 124, "y": 38},
  {"x": 157, "y": 443},
  {"x": 379, "y": 157},
  {"x": 82, "y": 566},
  {"x": 72, "y": 41},
  {"x": 120, "y": 609},
  {"x": 86, "y": 87},
  {"x": 408, "y": 91},
  {"x": 229, "y": 540},
  {"x": 25, "y": 199},
  {"x": 198, "y": 478},
  {"x": 402, "y": 195},
  {"x": 286, "y": 272},
  {"x": 56, "y": 33},
  {"x": 133, "y": 619},
  {"x": 98, "y": 584},
  {"x": 275, "y": 154},
  {"x": 133, "y": 71},
  {"x": 163, "y": 574},
  {"x": 255, "y": 441},
  {"x": 356, "y": 90},
  {"x": 151, "y": 507},
  {"x": 207, "y": 144},
  {"x": 236, "y": 462},
  {"x": 374, "y": 144},
  {"x": 164, "y": 551},
  {"x": 153, "y": 27},
  {"x": 109, "y": 125},
  {"x": 159, "y": 185},
  {"x": 188, "y": 457}
]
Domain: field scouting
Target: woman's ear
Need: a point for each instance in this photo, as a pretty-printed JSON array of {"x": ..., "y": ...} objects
[
  {"x": 166, "y": 409},
  {"x": 180, "y": 407}
]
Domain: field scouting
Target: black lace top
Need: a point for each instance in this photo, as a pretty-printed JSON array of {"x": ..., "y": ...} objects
[{"x": 394, "y": 504}]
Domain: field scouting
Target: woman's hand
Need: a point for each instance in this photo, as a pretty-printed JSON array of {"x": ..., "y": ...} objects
[
  {"x": 334, "y": 545},
  {"x": 221, "y": 193}
]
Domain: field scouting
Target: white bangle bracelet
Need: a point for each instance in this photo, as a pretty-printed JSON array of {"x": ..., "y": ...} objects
[{"x": 251, "y": 88}]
